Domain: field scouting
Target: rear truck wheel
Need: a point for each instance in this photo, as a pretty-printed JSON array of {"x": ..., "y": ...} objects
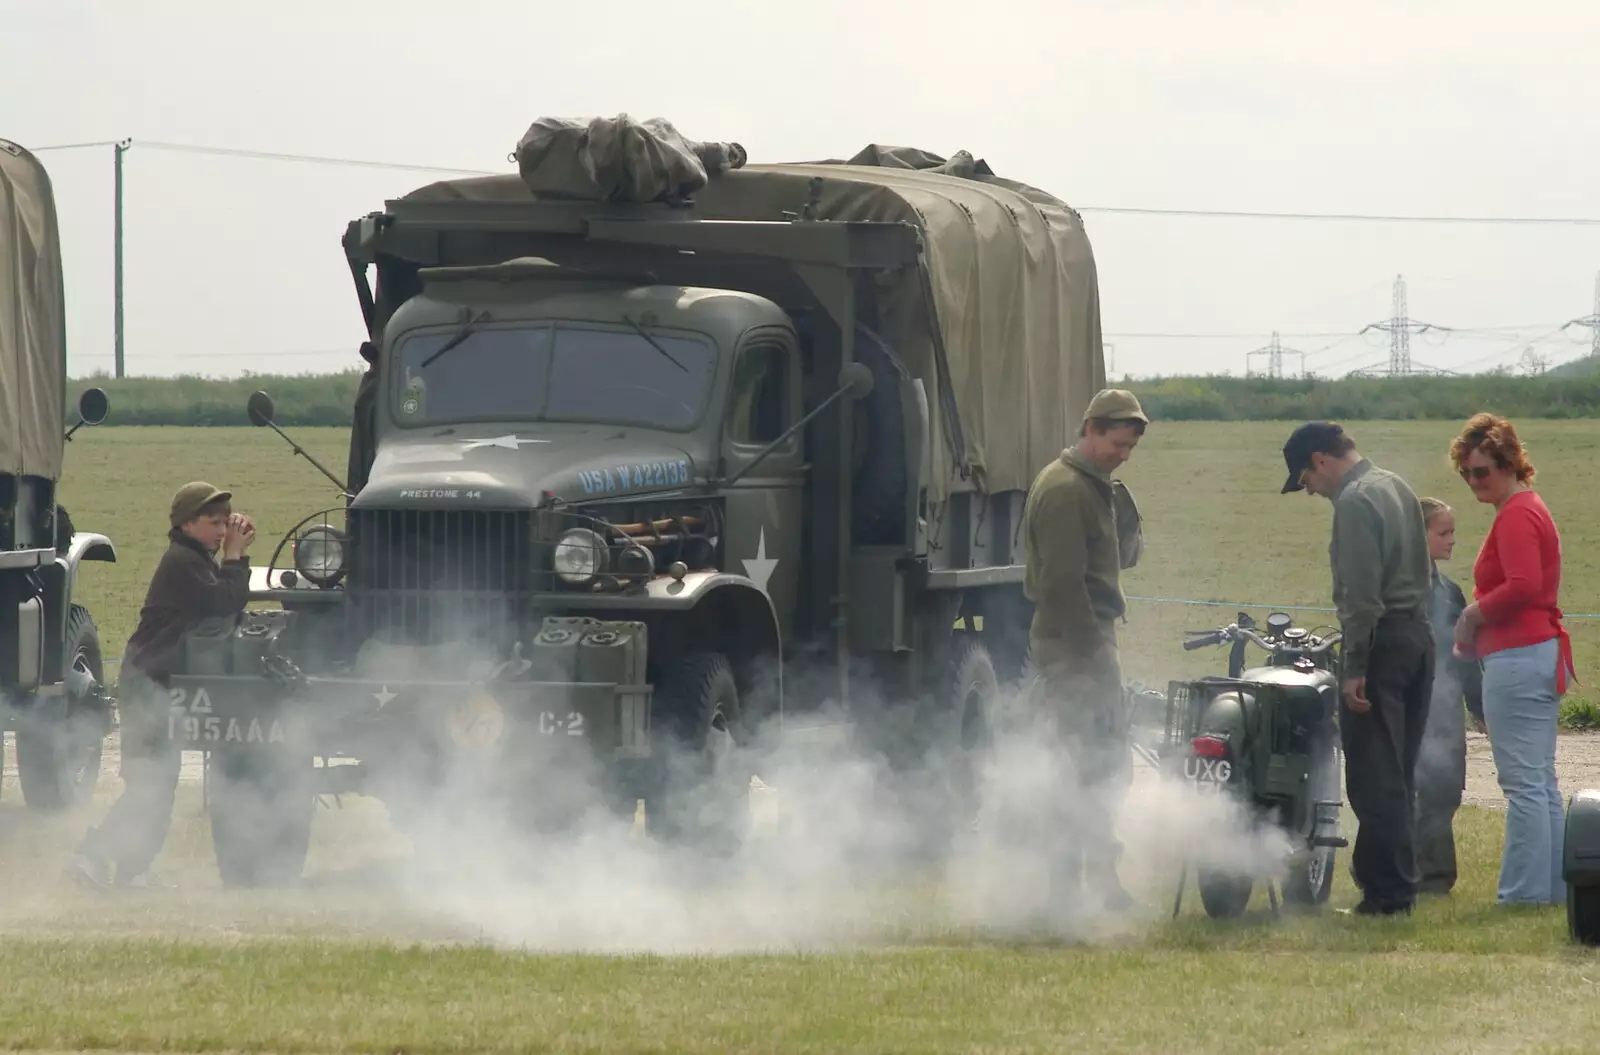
[
  {"x": 965, "y": 692},
  {"x": 1225, "y": 895},
  {"x": 1583, "y": 913},
  {"x": 58, "y": 761},
  {"x": 262, "y": 801},
  {"x": 694, "y": 790}
]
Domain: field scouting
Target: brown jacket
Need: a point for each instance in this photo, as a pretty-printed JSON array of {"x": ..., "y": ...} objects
[
  {"x": 1069, "y": 537},
  {"x": 188, "y": 586}
]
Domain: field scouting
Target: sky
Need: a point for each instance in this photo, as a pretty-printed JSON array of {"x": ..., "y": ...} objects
[{"x": 1392, "y": 108}]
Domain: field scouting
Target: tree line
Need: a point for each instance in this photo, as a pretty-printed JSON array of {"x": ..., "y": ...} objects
[{"x": 325, "y": 399}]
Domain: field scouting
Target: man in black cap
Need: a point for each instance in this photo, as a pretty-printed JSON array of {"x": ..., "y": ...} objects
[
  {"x": 1382, "y": 591},
  {"x": 188, "y": 587}
]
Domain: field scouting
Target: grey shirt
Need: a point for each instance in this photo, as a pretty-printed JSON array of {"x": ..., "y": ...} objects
[{"x": 1380, "y": 558}]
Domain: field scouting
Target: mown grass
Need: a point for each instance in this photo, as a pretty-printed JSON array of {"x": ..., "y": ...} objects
[{"x": 347, "y": 964}]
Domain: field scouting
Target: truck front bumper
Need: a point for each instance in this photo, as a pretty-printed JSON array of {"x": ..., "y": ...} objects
[{"x": 367, "y": 718}]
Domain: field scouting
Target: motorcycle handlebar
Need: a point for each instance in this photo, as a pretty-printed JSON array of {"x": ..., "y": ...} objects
[{"x": 1217, "y": 637}]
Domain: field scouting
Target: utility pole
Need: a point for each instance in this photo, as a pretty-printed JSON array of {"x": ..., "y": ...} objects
[
  {"x": 118, "y": 149},
  {"x": 1275, "y": 351},
  {"x": 1400, "y": 326}
]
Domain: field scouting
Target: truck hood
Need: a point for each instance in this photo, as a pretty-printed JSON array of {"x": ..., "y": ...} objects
[{"x": 498, "y": 468}]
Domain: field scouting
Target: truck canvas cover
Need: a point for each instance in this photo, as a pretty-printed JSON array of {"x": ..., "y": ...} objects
[
  {"x": 33, "y": 335},
  {"x": 1015, "y": 292}
]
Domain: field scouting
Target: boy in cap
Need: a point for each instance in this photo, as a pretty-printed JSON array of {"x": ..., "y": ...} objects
[
  {"x": 1382, "y": 589},
  {"x": 188, "y": 586},
  {"x": 1073, "y": 563}
]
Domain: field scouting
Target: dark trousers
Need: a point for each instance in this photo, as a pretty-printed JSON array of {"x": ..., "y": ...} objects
[
  {"x": 135, "y": 828},
  {"x": 1091, "y": 727},
  {"x": 1380, "y": 757}
]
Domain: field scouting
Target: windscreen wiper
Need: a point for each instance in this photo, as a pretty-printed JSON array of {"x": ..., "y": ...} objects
[
  {"x": 654, "y": 343},
  {"x": 469, "y": 326}
]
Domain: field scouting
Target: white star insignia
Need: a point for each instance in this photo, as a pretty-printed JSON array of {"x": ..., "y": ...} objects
[
  {"x": 760, "y": 567},
  {"x": 510, "y": 443},
  {"x": 384, "y": 697}
]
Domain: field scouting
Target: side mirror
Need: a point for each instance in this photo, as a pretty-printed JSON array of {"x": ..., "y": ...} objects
[
  {"x": 856, "y": 379},
  {"x": 260, "y": 409},
  {"x": 93, "y": 406}
]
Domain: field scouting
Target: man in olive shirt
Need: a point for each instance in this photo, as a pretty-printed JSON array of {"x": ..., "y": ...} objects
[
  {"x": 1073, "y": 560},
  {"x": 1382, "y": 589}
]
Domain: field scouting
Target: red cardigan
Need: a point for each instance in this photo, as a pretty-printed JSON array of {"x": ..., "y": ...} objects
[{"x": 1517, "y": 577}]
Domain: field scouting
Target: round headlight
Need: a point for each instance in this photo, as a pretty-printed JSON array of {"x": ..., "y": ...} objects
[
  {"x": 319, "y": 554},
  {"x": 580, "y": 555}
]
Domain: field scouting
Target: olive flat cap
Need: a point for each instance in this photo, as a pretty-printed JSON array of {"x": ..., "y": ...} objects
[
  {"x": 1115, "y": 404},
  {"x": 193, "y": 497}
]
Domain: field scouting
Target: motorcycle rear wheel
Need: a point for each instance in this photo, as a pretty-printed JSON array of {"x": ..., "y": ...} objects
[{"x": 1225, "y": 895}]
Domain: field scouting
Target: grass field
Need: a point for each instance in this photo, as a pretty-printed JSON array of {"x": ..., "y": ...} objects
[
  {"x": 1216, "y": 527},
  {"x": 358, "y": 962}
]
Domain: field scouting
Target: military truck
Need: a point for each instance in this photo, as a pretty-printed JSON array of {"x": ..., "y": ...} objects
[
  {"x": 51, "y": 671},
  {"x": 633, "y": 483}
]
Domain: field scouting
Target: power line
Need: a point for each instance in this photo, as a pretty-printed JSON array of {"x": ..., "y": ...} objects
[
  {"x": 1348, "y": 217},
  {"x": 72, "y": 146},
  {"x": 314, "y": 159},
  {"x": 1239, "y": 214}
]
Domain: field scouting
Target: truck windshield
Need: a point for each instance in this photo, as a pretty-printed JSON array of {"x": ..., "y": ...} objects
[{"x": 561, "y": 372}]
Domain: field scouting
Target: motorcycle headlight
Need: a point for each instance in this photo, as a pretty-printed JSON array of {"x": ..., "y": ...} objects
[
  {"x": 319, "y": 554},
  {"x": 580, "y": 556}
]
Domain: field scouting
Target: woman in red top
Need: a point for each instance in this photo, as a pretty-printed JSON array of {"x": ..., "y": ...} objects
[{"x": 1514, "y": 627}]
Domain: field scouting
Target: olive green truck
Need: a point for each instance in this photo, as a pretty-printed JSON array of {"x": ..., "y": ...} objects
[{"x": 638, "y": 488}]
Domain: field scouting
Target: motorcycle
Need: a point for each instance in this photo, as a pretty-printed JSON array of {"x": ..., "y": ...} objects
[{"x": 1268, "y": 737}]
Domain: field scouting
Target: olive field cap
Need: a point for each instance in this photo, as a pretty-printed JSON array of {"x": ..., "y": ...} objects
[
  {"x": 1314, "y": 437},
  {"x": 193, "y": 497},
  {"x": 1115, "y": 404}
]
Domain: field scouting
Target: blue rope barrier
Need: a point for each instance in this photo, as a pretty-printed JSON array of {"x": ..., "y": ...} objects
[{"x": 1288, "y": 607}]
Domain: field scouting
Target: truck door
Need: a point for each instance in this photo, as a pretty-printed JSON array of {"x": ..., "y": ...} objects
[{"x": 765, "y": 522}]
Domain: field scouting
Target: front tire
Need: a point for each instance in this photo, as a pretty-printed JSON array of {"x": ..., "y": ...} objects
[
  {"x": 1310, "y": 878},
  {"x": 261, "y": 809},
  {"x": 58, "y": 762},
  {"x": 693, "y": 789}
]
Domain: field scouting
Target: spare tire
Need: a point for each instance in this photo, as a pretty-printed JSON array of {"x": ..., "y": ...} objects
[
  {"x": 878, "y": 481},
  {"x": 878, "y": 495}
]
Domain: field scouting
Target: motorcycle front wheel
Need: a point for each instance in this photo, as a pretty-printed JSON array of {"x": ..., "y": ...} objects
[{"x": 1310, "y": 878}]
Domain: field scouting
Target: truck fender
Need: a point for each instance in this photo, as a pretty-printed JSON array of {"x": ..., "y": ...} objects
[
  {"x": 729, "y": 608},
  {"x": 85, "y": 545}
]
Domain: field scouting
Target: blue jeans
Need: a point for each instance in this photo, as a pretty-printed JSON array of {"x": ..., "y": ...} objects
[{"x": 1520, "y": 708}]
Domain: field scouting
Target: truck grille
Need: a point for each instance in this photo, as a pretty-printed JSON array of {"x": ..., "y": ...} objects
[{"x": 424, "y": 576}]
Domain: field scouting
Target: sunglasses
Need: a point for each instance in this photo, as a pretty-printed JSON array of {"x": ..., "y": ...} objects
[{"x": 1476, "y": 472}]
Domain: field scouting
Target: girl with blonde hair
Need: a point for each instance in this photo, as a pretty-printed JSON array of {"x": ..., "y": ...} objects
[{"x": 1442, "y": 762}]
